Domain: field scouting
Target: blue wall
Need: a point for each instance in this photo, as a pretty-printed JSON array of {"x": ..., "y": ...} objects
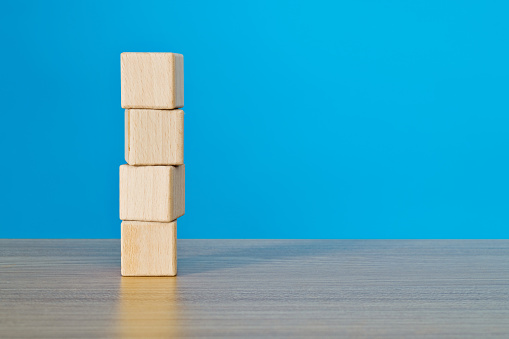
[{"x": 304, "y": 119}]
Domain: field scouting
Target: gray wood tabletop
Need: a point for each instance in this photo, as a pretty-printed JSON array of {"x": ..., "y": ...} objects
[{"x": 259, "y": 288}]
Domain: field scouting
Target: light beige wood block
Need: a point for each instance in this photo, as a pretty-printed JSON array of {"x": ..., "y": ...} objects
[
  {"x": 152, "y": 80},
  {"x": 152, "y": 193},
  {"x": 148, "y": 248},
  {"x": 154, "y": 137}
]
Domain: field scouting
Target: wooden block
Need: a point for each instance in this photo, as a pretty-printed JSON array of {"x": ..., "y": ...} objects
[
  {"x": 154, "y": 137},
  {"x": 148, "y": 248},
  {"x": 152, "y": 80},
  {"x": 152, "y": 193}
]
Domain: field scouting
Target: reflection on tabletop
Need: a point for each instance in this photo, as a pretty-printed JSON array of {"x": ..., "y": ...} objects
[{"x": 148, "y": 307}]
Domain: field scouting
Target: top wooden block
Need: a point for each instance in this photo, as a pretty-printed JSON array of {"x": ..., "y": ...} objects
[{"x": 152, "y": 80}]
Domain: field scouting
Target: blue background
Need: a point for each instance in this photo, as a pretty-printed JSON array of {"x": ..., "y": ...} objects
[{"x": 304, "y": 119}]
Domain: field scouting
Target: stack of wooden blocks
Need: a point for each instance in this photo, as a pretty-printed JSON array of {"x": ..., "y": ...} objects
[{"x": 152, "y": 184}]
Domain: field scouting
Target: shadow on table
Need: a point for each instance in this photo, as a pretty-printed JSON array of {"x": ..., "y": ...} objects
[{"x": 254, "y": 253}]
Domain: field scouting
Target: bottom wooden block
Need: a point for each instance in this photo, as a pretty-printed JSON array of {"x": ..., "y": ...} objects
[{"x": 148, "y": 248}]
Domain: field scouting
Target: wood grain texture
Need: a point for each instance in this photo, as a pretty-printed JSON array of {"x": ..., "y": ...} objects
[
  {"x": 152, "y": 80},
  {"x": 148, "y": 248},
  {"x": 259, "y": 288},
  {"x": 152, "y": 193},
  {"x": 154, "y": 137}
]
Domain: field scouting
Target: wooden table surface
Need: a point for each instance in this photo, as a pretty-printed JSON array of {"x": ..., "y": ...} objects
[{"x": 259, "y": 288}]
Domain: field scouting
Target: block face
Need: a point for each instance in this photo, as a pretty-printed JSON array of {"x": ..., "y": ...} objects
[
  {"x": 152, "y": 193},
  {"x": 152, "y": 80},
  {"x": 148, "y": 248},
  {"x": 126, "y": 134},
  {"x": 178, "y": 179},
  {"x": 154, "y": 137},
  {"x": 179, "y": 80}
]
